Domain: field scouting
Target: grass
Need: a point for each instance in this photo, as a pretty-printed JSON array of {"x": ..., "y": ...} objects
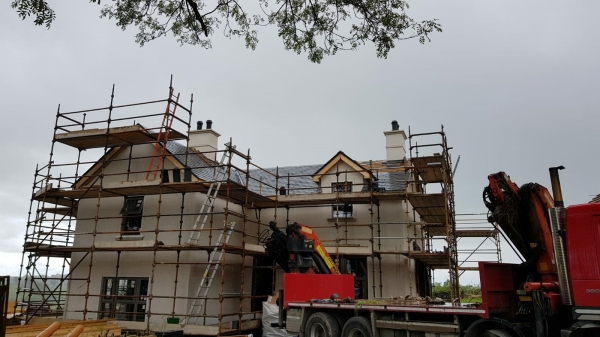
[
  {"x": 12, "y": 293},
  {"x": 475, "y": 299}
]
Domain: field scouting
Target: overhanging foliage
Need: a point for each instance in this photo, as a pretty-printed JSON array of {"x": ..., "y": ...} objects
[{"x": 317, "y": 27}]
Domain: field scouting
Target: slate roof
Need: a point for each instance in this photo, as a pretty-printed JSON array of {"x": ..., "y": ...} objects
[
  {"x": 391, "y": 181},
  {"x": 299, "y": 181},
  {"x": 201, "y": 166}
]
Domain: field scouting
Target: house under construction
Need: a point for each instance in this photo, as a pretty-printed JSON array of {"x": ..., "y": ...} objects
[{"x": 165, "y": 222}]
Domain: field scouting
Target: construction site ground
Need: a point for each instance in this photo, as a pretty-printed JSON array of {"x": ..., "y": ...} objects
[{"x": 91, "y": 328}]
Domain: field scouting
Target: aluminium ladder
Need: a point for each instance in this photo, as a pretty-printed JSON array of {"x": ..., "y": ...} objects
[
  {"x": 211, "y": 196},
  {"x": 214, "y": 260}
]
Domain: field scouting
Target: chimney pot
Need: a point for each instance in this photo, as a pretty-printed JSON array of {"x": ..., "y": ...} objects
[
  {"x": 395, "y": 126},
  {"x": 204, "y": 141}
]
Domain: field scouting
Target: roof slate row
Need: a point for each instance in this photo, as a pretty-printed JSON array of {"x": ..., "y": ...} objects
[{"x": 295, "y": 179}]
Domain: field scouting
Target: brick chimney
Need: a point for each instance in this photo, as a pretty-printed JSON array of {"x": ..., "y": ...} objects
[
  {"x": 395, "y": 143},
  {"x": 205, "y": 140}
]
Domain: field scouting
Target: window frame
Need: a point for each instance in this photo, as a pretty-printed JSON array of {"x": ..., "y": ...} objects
[
  {"x": 341, "y": 187},
  {"x": 114, "y": 300},
  {"x": 133, "y": 208},
  {"x": 347, "y": 211}
]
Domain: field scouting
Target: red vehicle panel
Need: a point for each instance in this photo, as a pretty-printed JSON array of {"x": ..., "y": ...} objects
[
  {"x": 305, "y": 287},
  {"x": 586, "y": 293},
  {"x": 583, "y": 253},
  {"x": 497, "y": 288}
]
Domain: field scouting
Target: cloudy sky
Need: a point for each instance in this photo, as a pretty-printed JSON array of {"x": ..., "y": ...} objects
[{"x": 515, "y": 84}]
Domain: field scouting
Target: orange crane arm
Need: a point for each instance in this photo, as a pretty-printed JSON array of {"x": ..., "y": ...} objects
[
  {"x": 522, "y": 213},
  {"x": 297, "y": 250},
  {"x": 319, "y": 248}
]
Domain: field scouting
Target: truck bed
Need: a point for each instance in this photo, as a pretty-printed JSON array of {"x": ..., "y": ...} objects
[{"x": 448, "y": 309}]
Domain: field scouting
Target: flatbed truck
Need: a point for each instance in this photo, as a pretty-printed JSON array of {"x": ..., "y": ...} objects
[{"x": 554, "y": 292}]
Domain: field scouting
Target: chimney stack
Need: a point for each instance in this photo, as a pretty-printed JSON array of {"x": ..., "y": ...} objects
[
  {"x": 395, "y": 143},
  {"x": 205, "y": 141}
]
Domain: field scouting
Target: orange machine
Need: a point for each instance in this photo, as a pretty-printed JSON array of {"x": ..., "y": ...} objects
[
  {"x": 523, "y": 214},
  {"x": 298, "y": 250}
]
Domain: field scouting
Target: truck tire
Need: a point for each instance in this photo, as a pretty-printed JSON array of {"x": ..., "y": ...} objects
[
  {"x": 321, "y": 324},
  {"x": 493, "y": 327},
  {"x": 357, "y": 327}
]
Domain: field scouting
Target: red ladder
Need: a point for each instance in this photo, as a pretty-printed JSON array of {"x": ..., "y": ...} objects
[{"x": 163, "y": 136}]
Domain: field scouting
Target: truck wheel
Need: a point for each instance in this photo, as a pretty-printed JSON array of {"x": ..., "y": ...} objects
[
  {"x": 321, "y": 324},
  {"x": 357, "y": 327},
  {"x": 493, "y": 327}
]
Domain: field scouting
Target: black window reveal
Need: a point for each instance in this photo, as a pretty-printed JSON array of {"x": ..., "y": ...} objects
[
  {"x": 176, "y": 175},
  {"x": 342, "y": 187},
  {"x": 132, "y": 215},
  {"x": 124, "y": 298},
  {"x": 342, "y": 211},
  {"x": 262, "y": 281},
  {"x": 357, "y": 266}
]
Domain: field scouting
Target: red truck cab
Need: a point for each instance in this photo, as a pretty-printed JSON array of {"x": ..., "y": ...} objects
[{"x": 583, "y": 253}]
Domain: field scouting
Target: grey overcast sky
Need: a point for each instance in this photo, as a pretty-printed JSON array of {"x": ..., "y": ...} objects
[{"x": 515, "y": 84}]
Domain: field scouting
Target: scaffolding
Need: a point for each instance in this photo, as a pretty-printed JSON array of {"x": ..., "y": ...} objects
[
  {"x": 60, "y": 189},
  {"x": 483, "y": 245},
  {"x": 203, "y": 218},
  {"x": 432, "y": 197}
]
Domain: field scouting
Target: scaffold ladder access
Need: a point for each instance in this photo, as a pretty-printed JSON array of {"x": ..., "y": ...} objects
[
  {"x": 211, "y": 195},
  {"x": 209, "y": 274},
  {"x": 163, "y": 137},
  {"x": 437, "y": 208}
]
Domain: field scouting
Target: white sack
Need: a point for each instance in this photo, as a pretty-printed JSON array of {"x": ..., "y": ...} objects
[{"x": 270, "y": 315}]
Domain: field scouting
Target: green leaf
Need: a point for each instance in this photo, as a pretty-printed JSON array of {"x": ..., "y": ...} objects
[{"x": 316, "y": 27}]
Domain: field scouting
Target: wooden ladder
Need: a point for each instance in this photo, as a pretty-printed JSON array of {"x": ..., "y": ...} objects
[{"x": 163, "y": 137}]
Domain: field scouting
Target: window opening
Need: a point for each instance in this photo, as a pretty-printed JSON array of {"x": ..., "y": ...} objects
[
  {"x": 342, "y": 187},
  {"x": 262, "y": 281},
  {"x": 356, "y": 266},
  {"x": 124, "y": 298},
  {"x": 176, "y": 175},
  {"x": 132, "y": 215},
  {"x": 342, "y": 211}
]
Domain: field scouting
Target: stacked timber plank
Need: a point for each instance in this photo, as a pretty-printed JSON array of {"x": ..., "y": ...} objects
[
  {"x": 97, "y": 328},
  {"x": 11, "y": 307}
]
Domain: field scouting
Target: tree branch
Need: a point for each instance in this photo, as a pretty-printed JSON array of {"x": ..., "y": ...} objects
[{"x": 194, "y": 6}]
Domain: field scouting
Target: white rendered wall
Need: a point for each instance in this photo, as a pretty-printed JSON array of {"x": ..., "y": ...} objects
[{"x": 139, "y": 264}]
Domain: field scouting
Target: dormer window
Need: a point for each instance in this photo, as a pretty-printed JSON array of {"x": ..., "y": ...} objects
[
  {"x": 341, "y": 163},
  {"x": 342, "y": 187}
]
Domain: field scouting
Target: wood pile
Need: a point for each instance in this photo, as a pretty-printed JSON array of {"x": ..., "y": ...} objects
[
  {"x": 11, "y": 307},
  {"x": 97, "y": 328}
]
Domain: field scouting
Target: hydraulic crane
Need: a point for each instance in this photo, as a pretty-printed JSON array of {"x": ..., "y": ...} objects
[{"x": 298, "y": 250}]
